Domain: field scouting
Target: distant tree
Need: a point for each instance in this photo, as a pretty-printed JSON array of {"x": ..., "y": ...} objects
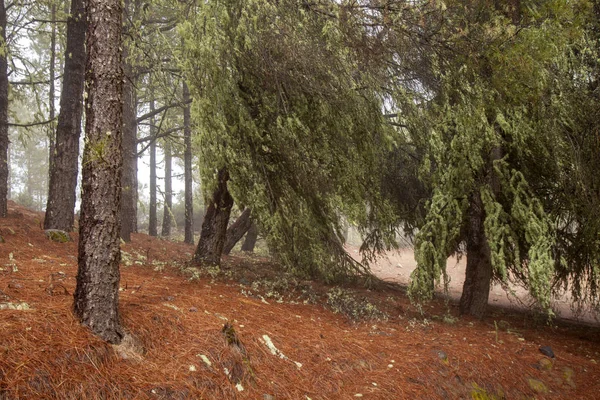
[
  {"x": 168, "y": 192},
  {"x": 64, "y": 154},
  {"x": 97, "y": 291},
  {"x": 187, "y": 169},
  {"x": 3, "y": 113},
  {"x": 153, "y": 219},
  {"x": 129, "y": 178}
]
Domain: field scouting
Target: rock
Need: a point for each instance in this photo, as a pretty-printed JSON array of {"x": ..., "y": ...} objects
[
  {"x": 568, "y": 377},
  {"x": 537, "y": 385},
  {"x": 441, "y": 355},
  {"x": 268, "y": 397},
  {"x": 56, "y": 235},
  {"x": 545, "y": 364},
  {"x": 547, "y": 351},
  {"x": 193, "y": 309},
  {"x": 244, "y": 281},
  {"x": 2, "y": 239},
  {"x": 15, "y": 306}
]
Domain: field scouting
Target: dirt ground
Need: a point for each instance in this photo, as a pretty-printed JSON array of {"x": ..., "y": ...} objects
[
  {"x": 247, "y": 331},
  {"x": 396, "y": 266}
]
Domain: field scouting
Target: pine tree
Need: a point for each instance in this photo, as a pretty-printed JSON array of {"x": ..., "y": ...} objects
[{"x": 97, "y": 291}]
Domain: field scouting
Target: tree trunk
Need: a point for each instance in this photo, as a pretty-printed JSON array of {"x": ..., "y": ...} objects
[
  {"x": 478, "y": 276},
  {"x": 214, "y": 226},
  {"x": 250, "y": 240},
  {"x": 129, "y": 177},
  {"x": 3, "y": 115},
  {"x": 237, "y": 230},
  {"x": 97, "y": 291},
  {"x": 51, "y": 90},
  {"x": 168, "y": 203},
  {"x": 187, "y": 170},
  {"x": 153, "y": 220},
  {"x": 63, "y": 174}
]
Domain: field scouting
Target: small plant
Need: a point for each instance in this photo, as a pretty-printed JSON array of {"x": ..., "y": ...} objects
[
  {"x": 344, "y": 302},
  {"x": 213, "y": 271}
]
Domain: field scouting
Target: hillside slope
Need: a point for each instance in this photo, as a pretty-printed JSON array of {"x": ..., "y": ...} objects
[{"x": 282, "y": 339}]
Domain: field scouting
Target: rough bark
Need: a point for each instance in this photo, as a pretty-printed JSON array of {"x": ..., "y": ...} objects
[
  {"x": 97, "y": 291},
  {"x": 250, "y": 240},
  {"x": 3, "y": 116},
  {"x": 478, "y": 275},
  {"x": 168, "y": 203},
  {"x": 214, "y": 226},
  {"x": 152, "y": 220},
  {"x": 62, "y": 186},
  {"x": 237, "y": 230},
  {"x": 187, "y": 168},
  {"x": 129, "y": 177}
]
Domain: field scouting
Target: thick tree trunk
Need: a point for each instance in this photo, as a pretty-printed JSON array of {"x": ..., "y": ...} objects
[
  {"x": 129, "y": 177},
  {"x": 168, "y": 203},
  {"x": 187, "y": 170},
  {"x": 478, "y": 276},
  {"x": 3, "y": 116},
  {"x": 153, "y": 220},
  {"x": 237, "y": 230},
  {"x": 214, "y": 226},
  {"x": 97, "y": 291},
  {"x": 60, "y": 207},
  {"x": 250, "y": 240}
]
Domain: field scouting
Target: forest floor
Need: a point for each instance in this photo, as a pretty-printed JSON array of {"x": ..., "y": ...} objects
[{"x": 289, "y": 339}]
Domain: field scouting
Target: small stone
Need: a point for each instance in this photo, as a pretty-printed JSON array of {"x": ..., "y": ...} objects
[
  {"x": 193, "y": 309},
  {"x": 268, "y": 397},
  {"x": 441, "y": 355},
  {"x": 547, "y": 351}
]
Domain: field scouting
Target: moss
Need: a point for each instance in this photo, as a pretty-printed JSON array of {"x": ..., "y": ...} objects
[
  {"x": 537, "y": 385},
  {"x": 57, "y": 235},
  {"x": 345, "y": 302}
]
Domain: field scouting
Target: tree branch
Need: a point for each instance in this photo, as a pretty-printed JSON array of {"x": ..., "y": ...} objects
[
  {"x": 31, "y": 124},
  {"x": 161, "y": 109}
]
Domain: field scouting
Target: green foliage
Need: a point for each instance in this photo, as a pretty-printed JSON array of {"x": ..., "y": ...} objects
[
  {"x": 497, "y": 131},
  {"x": 280, "y": 101}
]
